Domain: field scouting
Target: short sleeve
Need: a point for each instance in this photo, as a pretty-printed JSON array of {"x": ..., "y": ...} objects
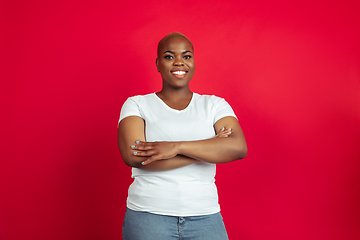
[
  {"x": 223, "y": 109},
  {"x": 130, "y": 108}
]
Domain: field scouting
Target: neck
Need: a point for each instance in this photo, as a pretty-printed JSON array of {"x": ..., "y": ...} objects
[
  {"x": 176, "y": 99},
  {"x": 175, "y": 94}
]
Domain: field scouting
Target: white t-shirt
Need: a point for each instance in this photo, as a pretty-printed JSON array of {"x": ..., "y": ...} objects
[{"x": 186, "y": 191}]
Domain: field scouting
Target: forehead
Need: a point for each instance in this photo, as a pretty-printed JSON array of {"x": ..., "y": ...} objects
[{"x": 177, "y": 43}]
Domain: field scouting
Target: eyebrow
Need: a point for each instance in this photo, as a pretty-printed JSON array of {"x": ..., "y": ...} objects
[{"x": 174, "y": 52}]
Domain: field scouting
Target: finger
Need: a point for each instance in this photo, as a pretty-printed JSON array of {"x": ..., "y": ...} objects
[
  {"x": 144, "y": 153},
  {"x": 228, "y": 131},
  {"x": 225, "y": 134},
  {"x": 222, "y": 130},
  {"x": 150, "y": 160},
  {"x": 144, "y": 148},
  {"x": 145, "y": 143},
  {"x": 142, "y": 145}
]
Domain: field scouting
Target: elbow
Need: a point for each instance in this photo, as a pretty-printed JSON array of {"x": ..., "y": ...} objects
[
  {"x": 130, "y": 161},
  {"x": 132, "y": 164},
  {"x": 236, "y": 151},
  {"x": 241, "y": 151},
  {"x": 238, "y": 147}
]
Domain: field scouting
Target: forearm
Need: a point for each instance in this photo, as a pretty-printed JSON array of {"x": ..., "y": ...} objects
[
  {"x": 169, "y": 164},
  {"x": 214, "y": 150},
  {"x": 229, "y": 146},
  {"x": 166, "y": 164},
  {"x": 138, "y": 158}
]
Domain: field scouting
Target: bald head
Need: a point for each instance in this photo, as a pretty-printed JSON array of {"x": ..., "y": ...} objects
[{"x": 171, "y": 35}]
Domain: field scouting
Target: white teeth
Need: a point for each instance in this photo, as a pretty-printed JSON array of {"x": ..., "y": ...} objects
[{"x": 179, "y": 72}]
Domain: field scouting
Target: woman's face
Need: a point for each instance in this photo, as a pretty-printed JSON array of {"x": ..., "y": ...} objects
[{"x": 176, "y": 62}]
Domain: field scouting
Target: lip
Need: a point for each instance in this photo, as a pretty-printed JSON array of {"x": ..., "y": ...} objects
[
  {"x": 179, "y": 69},
  {"x": 179, "y": 72}
]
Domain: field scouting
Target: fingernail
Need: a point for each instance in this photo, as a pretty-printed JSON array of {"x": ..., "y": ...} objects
[
  {"x": 135, "y": 153},
  {"x": 222, "y": 128},
  {"x": 142, "y": 163},
  {"x": 229, "y": 129},
  {"x": 132, "y": 146},
  {"x": 137, "y": 141}
]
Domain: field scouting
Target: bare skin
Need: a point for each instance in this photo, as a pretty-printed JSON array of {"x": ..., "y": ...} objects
[{"x": 177, "y": 65}]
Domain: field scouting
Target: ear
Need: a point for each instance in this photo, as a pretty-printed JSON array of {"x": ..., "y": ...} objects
[{"x": 157, "y": 63}]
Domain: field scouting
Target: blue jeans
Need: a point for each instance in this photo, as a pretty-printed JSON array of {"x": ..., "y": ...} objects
[{"x": 148, "y": 226}]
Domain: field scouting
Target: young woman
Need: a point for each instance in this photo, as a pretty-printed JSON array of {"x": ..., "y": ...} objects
[{"x": 172, "y": 139}]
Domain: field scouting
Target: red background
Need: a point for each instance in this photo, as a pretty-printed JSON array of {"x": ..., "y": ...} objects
[{"x": 290, "y": 71}]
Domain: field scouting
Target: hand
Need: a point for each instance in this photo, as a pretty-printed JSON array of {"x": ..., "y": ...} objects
[
  {"x": 155, "y": 150},
  {"x": 223, "y": 132}
]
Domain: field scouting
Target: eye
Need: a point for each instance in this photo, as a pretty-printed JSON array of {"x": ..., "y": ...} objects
[
  {"x": 187, "y": 56},
  {"x": 168, "y": 57}
]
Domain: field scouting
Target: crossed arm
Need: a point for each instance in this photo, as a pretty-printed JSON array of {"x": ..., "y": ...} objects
[{"x": 170, "y": 155}]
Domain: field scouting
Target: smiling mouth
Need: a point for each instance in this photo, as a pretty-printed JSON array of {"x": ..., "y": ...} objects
[{"x": 179, "y": 73}]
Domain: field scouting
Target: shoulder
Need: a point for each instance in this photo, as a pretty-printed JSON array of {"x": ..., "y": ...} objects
[
  {"x": 135, "y": 105},
  {"x": 138, "y": 98},
  {"x": 210, "y": 99},
  {"x": 137, "y": 101},
  {"x": 218, "y": 104}
]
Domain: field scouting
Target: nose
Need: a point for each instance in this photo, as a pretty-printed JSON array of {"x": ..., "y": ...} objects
[{"x": 178, "y": 61}]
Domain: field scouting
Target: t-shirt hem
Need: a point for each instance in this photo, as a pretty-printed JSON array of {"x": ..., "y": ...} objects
[{"x": 176, "y": 214}]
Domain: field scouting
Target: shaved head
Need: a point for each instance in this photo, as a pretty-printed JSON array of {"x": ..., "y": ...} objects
[{"x": 171, "y": 35}]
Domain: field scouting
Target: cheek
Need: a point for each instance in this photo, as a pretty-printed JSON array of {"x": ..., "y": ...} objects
[
  {"x": 192, "y": 66},
  {"x": 164, "y": 65}
]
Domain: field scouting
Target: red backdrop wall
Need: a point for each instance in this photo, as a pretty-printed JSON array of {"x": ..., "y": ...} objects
[{"x": 290, "y": 71}]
